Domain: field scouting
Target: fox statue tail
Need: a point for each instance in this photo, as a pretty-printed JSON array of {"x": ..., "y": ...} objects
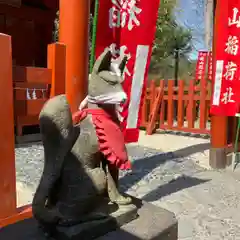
[{"x": 58, "y": 137}]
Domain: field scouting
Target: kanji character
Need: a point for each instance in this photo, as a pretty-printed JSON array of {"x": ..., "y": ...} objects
[
  {"x": 124, "y": 12},
  {"x": 234, "y": 20},
  {"x": 201, "y": 67},
  {"x": 231, "y": 68},
  {"x": 227, "y": 96},
  {"x": 232, "y": 45}
]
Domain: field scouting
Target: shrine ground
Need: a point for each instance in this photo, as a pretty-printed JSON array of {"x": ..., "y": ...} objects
[{"x": 170, "y": 171}]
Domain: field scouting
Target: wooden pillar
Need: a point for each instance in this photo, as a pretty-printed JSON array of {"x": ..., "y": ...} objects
[
  {"x": 74, "y": 32},
  {"x": 219, "y": 124},
  {"x": 7, "y": 148},
  {"x": 218, "y": 157},
  {"x": 57, "y": 63}
]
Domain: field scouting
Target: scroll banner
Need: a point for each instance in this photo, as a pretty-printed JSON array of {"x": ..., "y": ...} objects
[
  {"x": 201, "y": 65},
  {"x": 210, "y": 66},
  {"x": 226, "y": 90},
  {"x": 128, "y": 28}
]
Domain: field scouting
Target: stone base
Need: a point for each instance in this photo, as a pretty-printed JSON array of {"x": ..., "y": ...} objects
[
  {"x": 152, "y": 223},
  {"x": 218, "y": 158},
  {"x": 117, "y": 217},
  {"x": 92, "y": 229}
]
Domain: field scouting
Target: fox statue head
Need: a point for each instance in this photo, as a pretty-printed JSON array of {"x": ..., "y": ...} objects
[{"x": 105, "y": 82}]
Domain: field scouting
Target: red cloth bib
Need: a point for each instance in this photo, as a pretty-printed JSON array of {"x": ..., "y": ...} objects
[{"x": 110, "y": 136}]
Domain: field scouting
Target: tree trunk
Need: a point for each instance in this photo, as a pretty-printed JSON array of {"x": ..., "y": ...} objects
[
  {"x": 176, "y": 67},
  {"x": 176, "y": 56},
  {"x": 209, "y": 8}
]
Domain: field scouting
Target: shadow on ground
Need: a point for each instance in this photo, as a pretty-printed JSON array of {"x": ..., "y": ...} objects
[
  {"x": 187, "y": 151},
  {"x": 143, "y": 166},
  {"x": 29, "y": 168},
  {"x": 172, "y": 187},
  {"x": 184, "y": 134}
]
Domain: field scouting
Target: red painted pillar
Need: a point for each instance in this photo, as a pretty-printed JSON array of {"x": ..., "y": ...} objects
[
  {"x": 57, "y": 63},
  {"x": 73, "y": 32},
  {"x": 7, "y": 148},
  {"x": 219, "y": 124}
]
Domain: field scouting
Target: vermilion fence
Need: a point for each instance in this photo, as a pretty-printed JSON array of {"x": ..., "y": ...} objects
[
  {"x": 33, "y": 87},
  {"x": 183, "y": 108}
]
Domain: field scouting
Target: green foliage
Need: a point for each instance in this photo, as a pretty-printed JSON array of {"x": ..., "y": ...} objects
[
  {"x": 171, "y": 37},
  {"x": 56, "y": 28}
]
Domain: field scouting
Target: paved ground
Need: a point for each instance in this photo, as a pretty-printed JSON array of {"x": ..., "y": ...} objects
[{"x": 172, "y": 172}]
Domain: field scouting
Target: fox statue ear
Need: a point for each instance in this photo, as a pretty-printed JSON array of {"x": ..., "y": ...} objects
[
  {"x": 121, "y": 67},
  {"x": 122, "y": 64},
  {"x": 103, "y": 62}
]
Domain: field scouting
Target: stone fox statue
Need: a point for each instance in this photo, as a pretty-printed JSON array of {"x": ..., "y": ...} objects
[{"x": 83, "y": 151}]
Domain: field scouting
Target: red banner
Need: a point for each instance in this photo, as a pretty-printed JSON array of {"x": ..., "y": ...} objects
[
  {"x": 210, "y": 66},
  {"x": 201, "y": 65},
  {"x": 128, "y": 28},
  {"x": 226, "y": 91}
]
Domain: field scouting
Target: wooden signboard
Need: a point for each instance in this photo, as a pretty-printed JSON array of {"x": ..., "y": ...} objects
[{"x": 14, "y": 3}]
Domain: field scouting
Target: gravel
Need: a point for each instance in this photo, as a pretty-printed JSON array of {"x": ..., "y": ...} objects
[{"x": 206, "y": 202}]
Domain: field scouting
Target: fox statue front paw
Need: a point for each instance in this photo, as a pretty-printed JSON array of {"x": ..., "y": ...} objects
[{"x": 120, "y": 200}]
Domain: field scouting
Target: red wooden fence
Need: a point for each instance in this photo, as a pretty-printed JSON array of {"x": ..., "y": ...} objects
[
  {"x": 33, "y": 86},
  {"x": 31, "y": 91},
  {"x": 183, "y": 108}
]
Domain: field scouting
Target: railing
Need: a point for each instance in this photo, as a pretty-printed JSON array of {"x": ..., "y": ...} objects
[
  {"x": 34, "y": 86},
  {"x": 183, "y": 108},
  {"x": 31, "y": 91}
]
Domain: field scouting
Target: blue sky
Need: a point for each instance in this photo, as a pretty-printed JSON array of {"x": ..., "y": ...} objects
[{"x": 190, "y": 15}]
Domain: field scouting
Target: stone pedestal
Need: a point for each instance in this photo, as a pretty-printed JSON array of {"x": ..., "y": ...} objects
[
  {"x": 152, "y": 223},
  {"x": 91, "y": 229}
]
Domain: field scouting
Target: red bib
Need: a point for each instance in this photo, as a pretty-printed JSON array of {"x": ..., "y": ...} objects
[{"x": 110, "y": 136}]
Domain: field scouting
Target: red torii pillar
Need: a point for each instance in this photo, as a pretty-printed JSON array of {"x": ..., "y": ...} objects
[
  {"x": 74, "y": 33},
  {"x": 219, "y": 124},
  {"x": 7, "y": 161}
]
